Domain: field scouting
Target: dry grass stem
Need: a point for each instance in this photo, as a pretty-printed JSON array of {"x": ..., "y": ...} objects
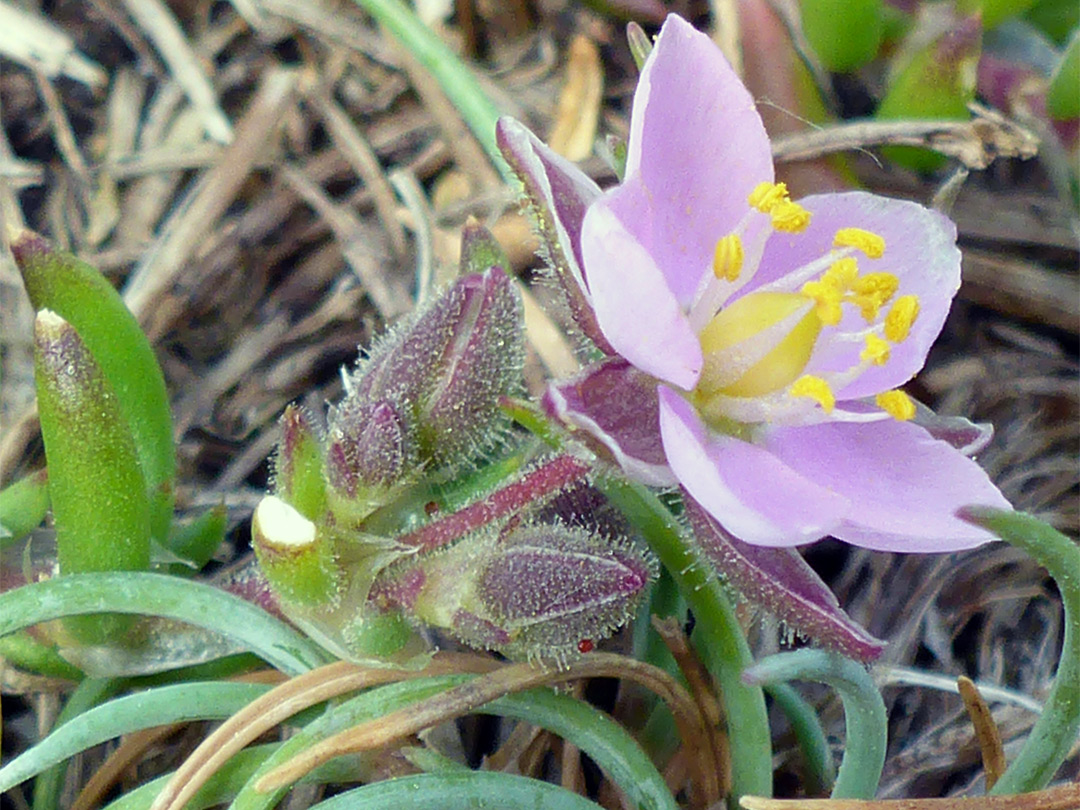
[
  {"x": 484, "y": 689},
  {"x": 281, "y": 703},
  {"x": 989, "y": 136},
  {"x": 157, "y": 21},
  {"x": 986, "y": 730},
  {"x": 1063, "y": 797}
]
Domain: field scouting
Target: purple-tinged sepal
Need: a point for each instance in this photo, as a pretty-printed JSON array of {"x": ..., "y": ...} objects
[
  {"x": 444, "y": 372},
  {"x": 459, "y": 417},
  {"x": 528, "y": 591},
  {"x": 368, "y": 454},
  {"x": 614, "y": 409},
  {"x": 558, "y": 193},
  {"x": 299, "y": 467},
  {"x": 966, "y": 436},
  {"x": 780, "y": 581}
]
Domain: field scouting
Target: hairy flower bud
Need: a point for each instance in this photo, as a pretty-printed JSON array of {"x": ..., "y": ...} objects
[
  {"x": 442, "y": 374},
  {"x": 528, "y": 591},
  {"x": 368, "y": 448}
]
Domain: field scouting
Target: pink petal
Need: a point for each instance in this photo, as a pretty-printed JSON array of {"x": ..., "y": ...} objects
[
  {"x": 697, "y": 148},
  {"x": 904, "y": 485},
  {"x": 617, "y": 406},
  {"x": 635, "y": 308},
  {"x": 920, "y": 249},
  {"x": 752, "y": 494},
  {"x": 782, "y": 582}
]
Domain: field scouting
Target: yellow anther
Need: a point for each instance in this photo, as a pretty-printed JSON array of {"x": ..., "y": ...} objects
[
  {"x": 766, "y": 196},
  {"x": 900, "y": 318},
  {"x": 896, "y": 404},
  {"x": 789, "y": 217},
  {"x": 877, "y": 351},
  {"x": 827, "y": 298},
  {"x": 728, "y": 257},
  {"x": 841, "y": 274},
  {"x": 873, "y": 291},
  {"x": 816, "y": 388},
  {"x": 869, "y": 243}
]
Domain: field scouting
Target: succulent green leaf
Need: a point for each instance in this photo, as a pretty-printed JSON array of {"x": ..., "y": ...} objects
[
  {"x": 845, "y": 34},
  {"x": 938, "y": 82},
  {"x": 1057, "y": 729},
  {"x": 1063, "y": 95},
  {"x": 79, "y": 294},
  {"x": 23, "y": 506},
  {"x": 98, "y": 492}
]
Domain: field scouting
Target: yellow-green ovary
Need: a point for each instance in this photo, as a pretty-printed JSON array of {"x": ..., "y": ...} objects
[{"x": 741, "y": 322}]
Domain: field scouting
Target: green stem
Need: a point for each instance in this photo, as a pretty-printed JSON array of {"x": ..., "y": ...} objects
[
  {"x": 721, "y": 642},
  {"x": 866, "y": 732},
  {"x": 1056, "y": 730},
  {"x": 454, "y": 77}
]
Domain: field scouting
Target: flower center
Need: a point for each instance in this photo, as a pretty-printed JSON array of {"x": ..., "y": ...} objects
[{"x": 757, "y": 348}]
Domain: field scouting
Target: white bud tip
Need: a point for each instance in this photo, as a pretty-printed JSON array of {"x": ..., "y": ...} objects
[{"x": 279, "y": 524}]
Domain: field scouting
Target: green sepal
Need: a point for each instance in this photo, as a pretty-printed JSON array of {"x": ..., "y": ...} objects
[
  {"x": 96, "y": 485},
  {"x": 300, "y": 470},
  {"x": 78, "y": 293}
]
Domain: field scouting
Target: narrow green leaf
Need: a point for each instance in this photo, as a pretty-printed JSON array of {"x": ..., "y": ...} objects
[
  {"x": 96, "y": 485},
  {"x": 92, "y": 691},
  {"x": 23, "y": 506},
  {"x": 154, "y": 707},
  {"x": 459, "y": 791},
  {"x": 24, "y": 652},
  {"x": 867, "y": 731},
  {"x": 1058, "y": 727},
  {"x": 58, "y": 281},
  {"x": 596, "y": 734},
  {"x": 160, "y": 595}
]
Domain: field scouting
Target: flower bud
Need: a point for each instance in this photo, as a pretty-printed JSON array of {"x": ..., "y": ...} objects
[
  {"x": 368, "y": 450},
  {"x": 296, "y": 556},
  {"x": 442, "y": 375},
  {"x": 528, "y": 591}
]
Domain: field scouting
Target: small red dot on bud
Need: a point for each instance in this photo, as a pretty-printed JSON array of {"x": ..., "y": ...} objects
[
  {"x": 431, "y": 508},
  {"x": 585, "y": 645}
]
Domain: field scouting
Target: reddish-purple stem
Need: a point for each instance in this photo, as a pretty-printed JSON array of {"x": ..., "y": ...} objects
[{"x": 545, "y": 480}]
